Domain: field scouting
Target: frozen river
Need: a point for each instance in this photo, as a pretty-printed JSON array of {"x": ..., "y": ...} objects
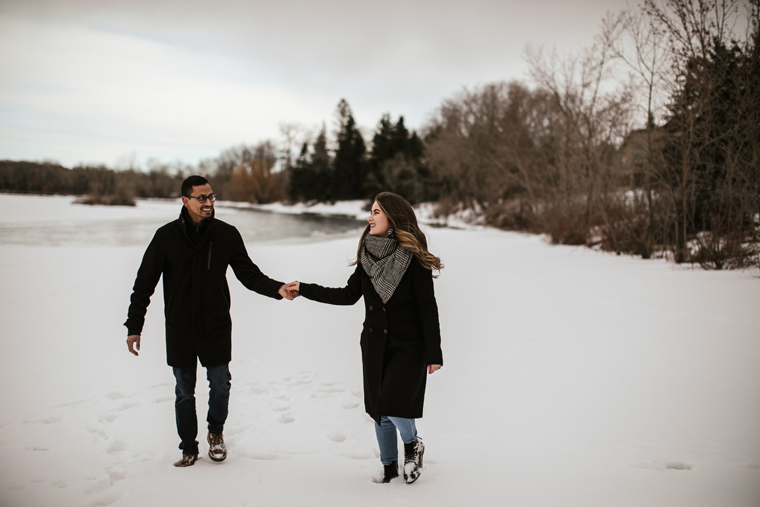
[{"x": 57, "y": 221}]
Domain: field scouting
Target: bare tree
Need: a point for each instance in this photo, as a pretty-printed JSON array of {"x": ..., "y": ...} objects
[
  {"x": 596, "y": 112},
  {"x": 294, "y": 136},
  {"x": 642, "y": 47},
  {"x": 256, "y": 180},
  {"x": 706, "y": 160}
]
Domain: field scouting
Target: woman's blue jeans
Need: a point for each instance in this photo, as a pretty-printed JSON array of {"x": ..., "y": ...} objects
[
  {"x": 219, "y": 381},
  {"x": 386, "y": 436}
]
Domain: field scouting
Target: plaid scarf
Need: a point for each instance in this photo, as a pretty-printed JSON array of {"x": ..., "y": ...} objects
[{"x": 385, "y": 261}]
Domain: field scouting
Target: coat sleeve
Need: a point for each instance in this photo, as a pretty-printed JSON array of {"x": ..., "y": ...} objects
[
  {"x": 249, "y": 273},
  {"x": 422, "y": 285},
  {"x": 347, "y": 295},
  {"x": 148, "y": 274}
]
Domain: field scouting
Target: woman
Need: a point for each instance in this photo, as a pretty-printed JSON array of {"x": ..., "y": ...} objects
[{"x": 401, "y": 340}]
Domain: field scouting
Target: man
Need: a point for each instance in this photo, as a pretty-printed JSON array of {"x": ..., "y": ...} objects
[{"x": 193, "y": 253}]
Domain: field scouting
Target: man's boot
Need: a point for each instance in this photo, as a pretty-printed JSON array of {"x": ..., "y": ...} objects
[
  {"x": 216, "y": 449},
  {"x": 187, "y": 460}
]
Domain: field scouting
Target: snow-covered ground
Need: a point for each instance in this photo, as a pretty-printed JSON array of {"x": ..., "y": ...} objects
[{"x": 571, "y": 378}]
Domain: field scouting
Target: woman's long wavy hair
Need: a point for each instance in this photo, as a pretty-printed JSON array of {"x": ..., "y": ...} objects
[{"x": 403, "y": 221}]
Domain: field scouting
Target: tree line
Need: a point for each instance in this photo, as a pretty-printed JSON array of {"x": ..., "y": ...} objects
[
  {"x": 662, "y": 162},
  {"x": 99, "y": 183},
  {"x": 647, "y": 142}
]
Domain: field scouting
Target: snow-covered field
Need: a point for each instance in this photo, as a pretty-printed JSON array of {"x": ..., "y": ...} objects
[{"x": 571, "y": 378}]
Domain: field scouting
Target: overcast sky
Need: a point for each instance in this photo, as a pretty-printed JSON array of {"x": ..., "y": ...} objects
[{"x": 106, "y": 81}]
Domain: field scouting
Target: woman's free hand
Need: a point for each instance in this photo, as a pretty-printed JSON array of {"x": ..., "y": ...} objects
[
  {"x": 293, "y": 288},
  {"x": 432, "y": 368}
]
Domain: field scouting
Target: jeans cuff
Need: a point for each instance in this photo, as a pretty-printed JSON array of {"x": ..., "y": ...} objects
[{"x": 189, "y": 448}]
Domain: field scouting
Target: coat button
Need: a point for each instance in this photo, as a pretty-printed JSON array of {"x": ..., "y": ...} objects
[
  {"x": 370, "y": 330},
  {"x": 383, "y": 308},
  {"x": 370, "y": 308},
  {"x": 385, "y": 331}
]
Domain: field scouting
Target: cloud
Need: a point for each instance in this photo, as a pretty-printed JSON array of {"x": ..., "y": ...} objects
[
  {"x": 96, "y": 80},
  {"x": 72, "y": 81}
]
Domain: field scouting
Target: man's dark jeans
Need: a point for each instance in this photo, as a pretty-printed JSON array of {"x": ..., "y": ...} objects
[{"x": 219, "y": 380}]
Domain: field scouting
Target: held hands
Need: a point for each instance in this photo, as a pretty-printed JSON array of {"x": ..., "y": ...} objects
[
  {"x": 286, "y": 292},
  {"x": 294, "y": 288}
]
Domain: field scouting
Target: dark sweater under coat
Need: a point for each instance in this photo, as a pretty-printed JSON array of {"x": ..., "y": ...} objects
[
  {"x": 193, "y": 262},
  {"x": 398, "y": 340}
]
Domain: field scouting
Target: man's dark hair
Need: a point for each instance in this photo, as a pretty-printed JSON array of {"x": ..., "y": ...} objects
[{"x": 190, "y": 182}]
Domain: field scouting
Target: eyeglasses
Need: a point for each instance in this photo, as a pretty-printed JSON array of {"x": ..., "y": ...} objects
[{"x": 202, "y": 198}]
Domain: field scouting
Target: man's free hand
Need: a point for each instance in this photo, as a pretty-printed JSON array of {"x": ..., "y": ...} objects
[{"x": 133, "y": 342}]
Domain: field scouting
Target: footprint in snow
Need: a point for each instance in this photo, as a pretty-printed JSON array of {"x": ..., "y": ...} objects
[
  {"x": 265, "y": 456},
  {"x": 287, "y": 419},
  {"x": 257, "y": 390},
  {"x": 677, "y": 465},
  {"x": 70, "y": 404},
  {"x": 337, "y": 436},
  {"x": 664, "y": 465},
  {"x": 117, "y": 447},
  {"x": 104, "y": 501},
  {"x": 99, "y": 434},
  {"x": 298, "y": 380},
  {"x": 332, "y": 388},
  {"x": 126, "y": 406},
  {"x": 45, "y": 420},
  {"x": 115, "y": 395}
]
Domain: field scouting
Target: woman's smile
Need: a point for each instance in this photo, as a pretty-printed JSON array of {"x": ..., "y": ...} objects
[{"x": 378, "y": 221}]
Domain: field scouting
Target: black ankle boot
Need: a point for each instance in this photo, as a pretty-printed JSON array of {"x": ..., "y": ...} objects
[
  {"x": 413, "y": 460},
  {"x": 389, "y": 472}
]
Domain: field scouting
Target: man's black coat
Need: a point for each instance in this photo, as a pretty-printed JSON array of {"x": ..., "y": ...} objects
[
  {"x": 398, "y": 340},
  {"x": 194, "y": 263}
]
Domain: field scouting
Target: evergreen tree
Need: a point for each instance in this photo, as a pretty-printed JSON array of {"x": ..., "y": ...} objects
[
  {"x": 709, "y": 114},
  {"x": 323, "y": 183},
  {"x": 382, "y": 151},
  {"x": 382, "y": 141},
  {"x": 349, "y": 165},
  {"x": 395, "y": 162},
  {"x": 300, "y": 175},
  {"x": 311, "y": 176},
  {"x": 414, "y": 147},
  {"x": 400, "y": 137}
]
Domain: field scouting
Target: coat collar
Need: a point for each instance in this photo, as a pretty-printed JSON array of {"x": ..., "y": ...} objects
[{"x": 196, "y": 234}]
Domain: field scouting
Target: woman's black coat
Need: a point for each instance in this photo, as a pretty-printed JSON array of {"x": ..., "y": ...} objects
[
  {"x": 398, "y": 340},
  {"x": 196, "y": 295}
]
